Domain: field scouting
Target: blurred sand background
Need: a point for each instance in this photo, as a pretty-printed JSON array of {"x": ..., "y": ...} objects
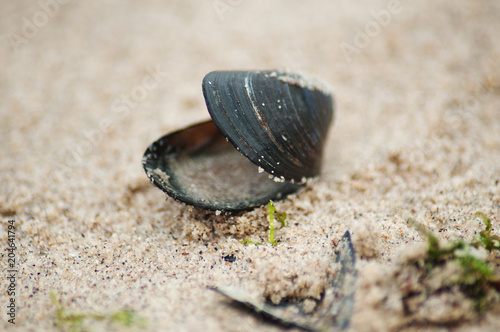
[{"x": 86, "y": 86}]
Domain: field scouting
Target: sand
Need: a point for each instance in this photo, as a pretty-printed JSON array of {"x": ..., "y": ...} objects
[{"x": 86, "y": 86}]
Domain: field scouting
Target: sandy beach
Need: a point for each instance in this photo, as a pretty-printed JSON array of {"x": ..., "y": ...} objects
[{"x": 86, "y": 86}]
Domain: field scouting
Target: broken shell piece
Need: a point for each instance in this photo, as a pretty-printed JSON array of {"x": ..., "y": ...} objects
[
  {"x": 332, "y": 311},
  {"x": 273, "y": 121}
]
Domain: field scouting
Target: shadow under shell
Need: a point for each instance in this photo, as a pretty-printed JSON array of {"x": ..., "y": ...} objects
[{"x": 198, "y": 166}]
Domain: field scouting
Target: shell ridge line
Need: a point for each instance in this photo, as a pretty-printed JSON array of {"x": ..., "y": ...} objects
[
  {"x": 237, "y": 130},
  {"x": 313, "y": 120},
  {"x": 297, "y": 116},
  {"x": 261, "y": 118},
  {"x": 293, "y": 163},
  {"x": 285, "y": 163},
  {"x": 282, "y": 146},
  {"x": 325, "y": 112},
  {"x": 221, "y": 117},
  {"x": 251, "y": 97},
  {"x": 310, "y": 140},
  {"x": 253, "y": 100}
]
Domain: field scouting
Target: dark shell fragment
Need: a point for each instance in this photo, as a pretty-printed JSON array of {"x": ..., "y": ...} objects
[
  {"x": 332, "y": 312},
  {"x": 278, "y": 120}
]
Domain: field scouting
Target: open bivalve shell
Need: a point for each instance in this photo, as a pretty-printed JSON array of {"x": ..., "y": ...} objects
[{"x": 266, "y": 138}]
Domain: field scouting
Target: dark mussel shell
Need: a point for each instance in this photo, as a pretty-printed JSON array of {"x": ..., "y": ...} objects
[{"x": 276, "y": 119}]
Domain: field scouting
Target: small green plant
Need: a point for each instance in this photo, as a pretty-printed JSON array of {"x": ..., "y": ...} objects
[
  {"x": 74, "y": 321},
  {"x": 477, "y": 276},
  {"x": 248, "y": 241},
  {"x": 486, "y": 239},
  {"x": 272, "y": 215}
]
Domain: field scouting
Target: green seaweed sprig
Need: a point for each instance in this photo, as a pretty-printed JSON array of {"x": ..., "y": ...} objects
[
  {"x": 486, "y": 239},
  {"x": 477, "y": 275},
  {"x": 272, "y": 215},
  {"x": 73, "y": 321}
]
